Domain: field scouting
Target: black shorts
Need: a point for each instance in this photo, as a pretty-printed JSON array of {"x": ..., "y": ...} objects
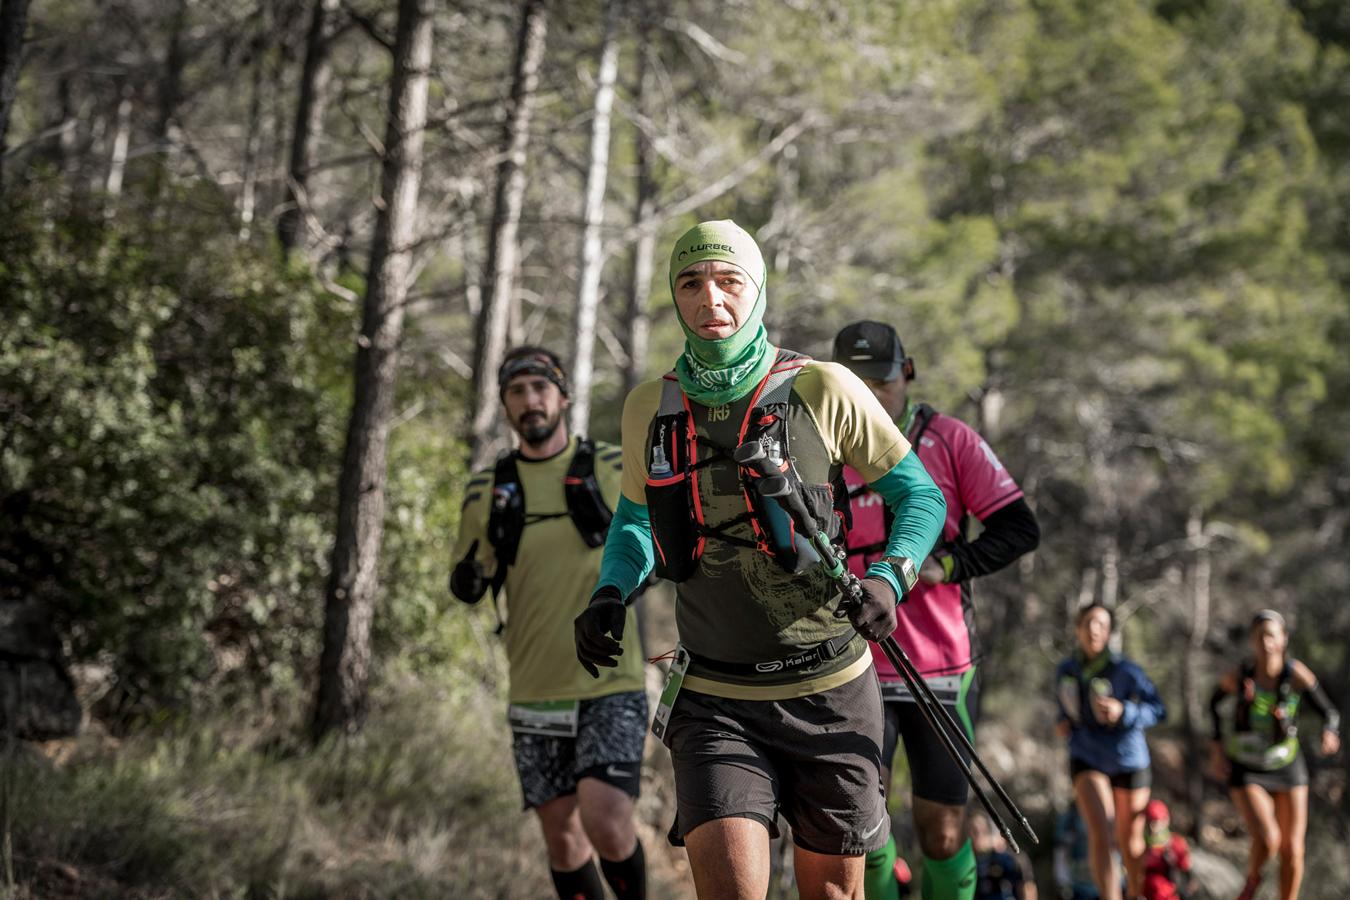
[
  {"x": 1130, "y": 780},
  {"x": 1275, "y": 781},
  {"x": 611, "y": 731},
  {"x": 815, "y": 759},
  {"x": 935, "y": 776}
]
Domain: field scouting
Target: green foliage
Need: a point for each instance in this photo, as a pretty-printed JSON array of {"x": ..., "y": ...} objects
[
  {"x": 169, "y": 442},
  {"x": 421, "y": 625}
]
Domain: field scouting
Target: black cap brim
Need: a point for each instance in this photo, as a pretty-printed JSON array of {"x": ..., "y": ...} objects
[{"x": 875, "y": 370}]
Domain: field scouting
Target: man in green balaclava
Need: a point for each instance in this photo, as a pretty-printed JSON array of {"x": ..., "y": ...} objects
[{"x": 772, "y": 705}]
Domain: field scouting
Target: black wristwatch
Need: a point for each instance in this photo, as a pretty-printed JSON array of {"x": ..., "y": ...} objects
[{"x": 904, "y": 570}]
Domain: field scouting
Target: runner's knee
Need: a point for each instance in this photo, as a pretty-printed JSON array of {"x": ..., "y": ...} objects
[
  {"x": 612, "y": 836},
  {"x": 940, "y": 844},
  {"x": 941, "y": 830}
]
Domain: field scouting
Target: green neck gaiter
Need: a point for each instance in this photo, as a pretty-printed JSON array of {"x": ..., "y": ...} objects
[
  {"x": 907, "y": 417},
  {"x": 715, "y": 372}
]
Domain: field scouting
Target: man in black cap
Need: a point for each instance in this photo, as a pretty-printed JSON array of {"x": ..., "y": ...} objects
[
  {"x": 531, "y": 530},
  {"x": 935, "y": 628}
]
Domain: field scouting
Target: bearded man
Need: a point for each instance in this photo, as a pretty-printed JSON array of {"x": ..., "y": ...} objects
[{"x": 531, "y": 531}]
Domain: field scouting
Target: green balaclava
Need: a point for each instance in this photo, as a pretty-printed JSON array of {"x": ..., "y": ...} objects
[{"x": 714, "y": 372}]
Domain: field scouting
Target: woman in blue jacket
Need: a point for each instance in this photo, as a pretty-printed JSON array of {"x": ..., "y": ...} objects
[{"x": 1105, "y": 703}]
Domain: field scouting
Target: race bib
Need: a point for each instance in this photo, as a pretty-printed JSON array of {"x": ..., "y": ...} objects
[
  {"x": 674, "y": 679},
  {"x": 946, "y": 689},
  {"x": 553, "y": 718}
]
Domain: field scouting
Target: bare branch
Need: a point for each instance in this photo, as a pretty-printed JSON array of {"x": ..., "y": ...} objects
[
  {"x": 612, "y": 344},
  {"x": 706, "y": 42},
  {"x": 367, "y": 25},
  {"x": 727, "y": 182}
]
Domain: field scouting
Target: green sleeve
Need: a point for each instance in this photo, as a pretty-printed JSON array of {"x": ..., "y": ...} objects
[
  {"x": 920, "y": 510},
  {"x": 628, "y": 555}
]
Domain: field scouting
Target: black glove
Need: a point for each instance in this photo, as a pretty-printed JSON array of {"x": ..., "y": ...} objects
[
  {"x": 467, "y": 580},
  {"x": 874, "y": 617},
  {"x": 605, "y": 615}
]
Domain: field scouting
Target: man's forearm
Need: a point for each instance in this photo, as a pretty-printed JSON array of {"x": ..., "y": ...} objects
[
  {"x": 1008, "y": 533},
  {"x": 920, "y": 511},
  {"x": 628, "y": 558}
]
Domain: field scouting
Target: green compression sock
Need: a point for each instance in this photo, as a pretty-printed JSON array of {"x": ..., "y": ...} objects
[
  {"x": 879, "y": 876},
  {"x": 950, "y": 879}
]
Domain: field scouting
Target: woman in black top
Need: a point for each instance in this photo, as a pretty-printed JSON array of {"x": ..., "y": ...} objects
[{"x": 1256, "y": 750}]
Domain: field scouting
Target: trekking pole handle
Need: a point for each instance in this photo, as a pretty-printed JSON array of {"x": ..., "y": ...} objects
[{"x": 778, "y": 488}]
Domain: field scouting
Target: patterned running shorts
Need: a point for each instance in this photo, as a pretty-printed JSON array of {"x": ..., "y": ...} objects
[{"x": 611, "y": 731}]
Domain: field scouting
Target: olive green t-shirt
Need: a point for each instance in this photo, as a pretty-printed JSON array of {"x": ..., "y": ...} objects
[
  {"x": 551, "y": 582},
  {"x": 739, "y": 606}
]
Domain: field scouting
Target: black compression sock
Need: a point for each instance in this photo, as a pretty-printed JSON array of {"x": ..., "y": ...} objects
[
  {"x": 628, "y": 877},
  {"x": 583, "y": 884}
]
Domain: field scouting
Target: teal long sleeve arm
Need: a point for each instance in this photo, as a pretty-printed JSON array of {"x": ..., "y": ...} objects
[
  {"x": 920, "y": 511},
  {"x": 629, "y": 555}
]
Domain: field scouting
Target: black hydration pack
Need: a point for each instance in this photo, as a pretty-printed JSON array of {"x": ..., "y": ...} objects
[
  {"x": 507, "y": 520},
  {"x": 679, "y": 529},
  {"x": 1246, "y": 696}
]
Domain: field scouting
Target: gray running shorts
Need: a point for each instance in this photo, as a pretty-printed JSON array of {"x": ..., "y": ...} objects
[
  {"x": 815, "y": 759},
  {"x": 610, "y": 733}
]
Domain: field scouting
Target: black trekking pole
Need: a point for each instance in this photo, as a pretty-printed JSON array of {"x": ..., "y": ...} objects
[{"x": 774, "y": 485}]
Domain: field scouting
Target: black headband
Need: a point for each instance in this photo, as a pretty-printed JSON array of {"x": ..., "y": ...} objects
[{"x": 539, "y": 363}]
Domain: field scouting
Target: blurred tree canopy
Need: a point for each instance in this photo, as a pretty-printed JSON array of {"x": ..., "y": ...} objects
[{"x": 1119, "y": 244}]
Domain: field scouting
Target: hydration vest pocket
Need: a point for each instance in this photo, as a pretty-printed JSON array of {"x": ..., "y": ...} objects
[
  {"x": 678, "y": 543},
  {"x": 820, "y": 501}
]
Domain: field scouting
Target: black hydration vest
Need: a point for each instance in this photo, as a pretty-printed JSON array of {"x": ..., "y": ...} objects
[
  {"x": 679, "y": 531},
  {"x": 507, "y": 519},
  {"x": 1246, "y": 696}
]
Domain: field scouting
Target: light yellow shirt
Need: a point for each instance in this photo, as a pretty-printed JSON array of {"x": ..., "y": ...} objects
[{"x": 550, "y": 583}]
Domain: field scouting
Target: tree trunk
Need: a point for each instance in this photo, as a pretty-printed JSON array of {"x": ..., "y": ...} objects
[
  {"x": 13, "y": 22},
  {"x": 637, "y": 319},
  {"x": 502, "y": 240},
  {"x": 784, "y": 216},
  {"x": 121, "y": 142},
  {"x": 309, "y": 112},
  {"x": 248, "y": 197},
  {"x": 344, "y": 669},
  {"x": 1198, "y": 582},
  {"x": 59, "y": 148},
  {"x": 473, "y": 272},
  {"x": 592, "y": 262},
  {"x": 1110, "y": 557},
  {"x": 170, "y": 95}
]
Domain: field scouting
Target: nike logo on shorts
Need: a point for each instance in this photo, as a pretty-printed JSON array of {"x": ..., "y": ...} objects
[
  {"x": 616, "y": 773},
  {"x": 867, "y": 835}
]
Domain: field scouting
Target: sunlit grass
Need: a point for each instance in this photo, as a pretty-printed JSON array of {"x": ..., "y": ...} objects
[{"x": 424, "y": 804}]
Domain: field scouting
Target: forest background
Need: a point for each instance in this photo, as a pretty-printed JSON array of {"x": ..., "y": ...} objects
[{"x": 259, "y": 260}]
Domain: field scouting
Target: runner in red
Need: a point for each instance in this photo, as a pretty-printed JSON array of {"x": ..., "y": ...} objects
[{"x": 1167, "y": 857}]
